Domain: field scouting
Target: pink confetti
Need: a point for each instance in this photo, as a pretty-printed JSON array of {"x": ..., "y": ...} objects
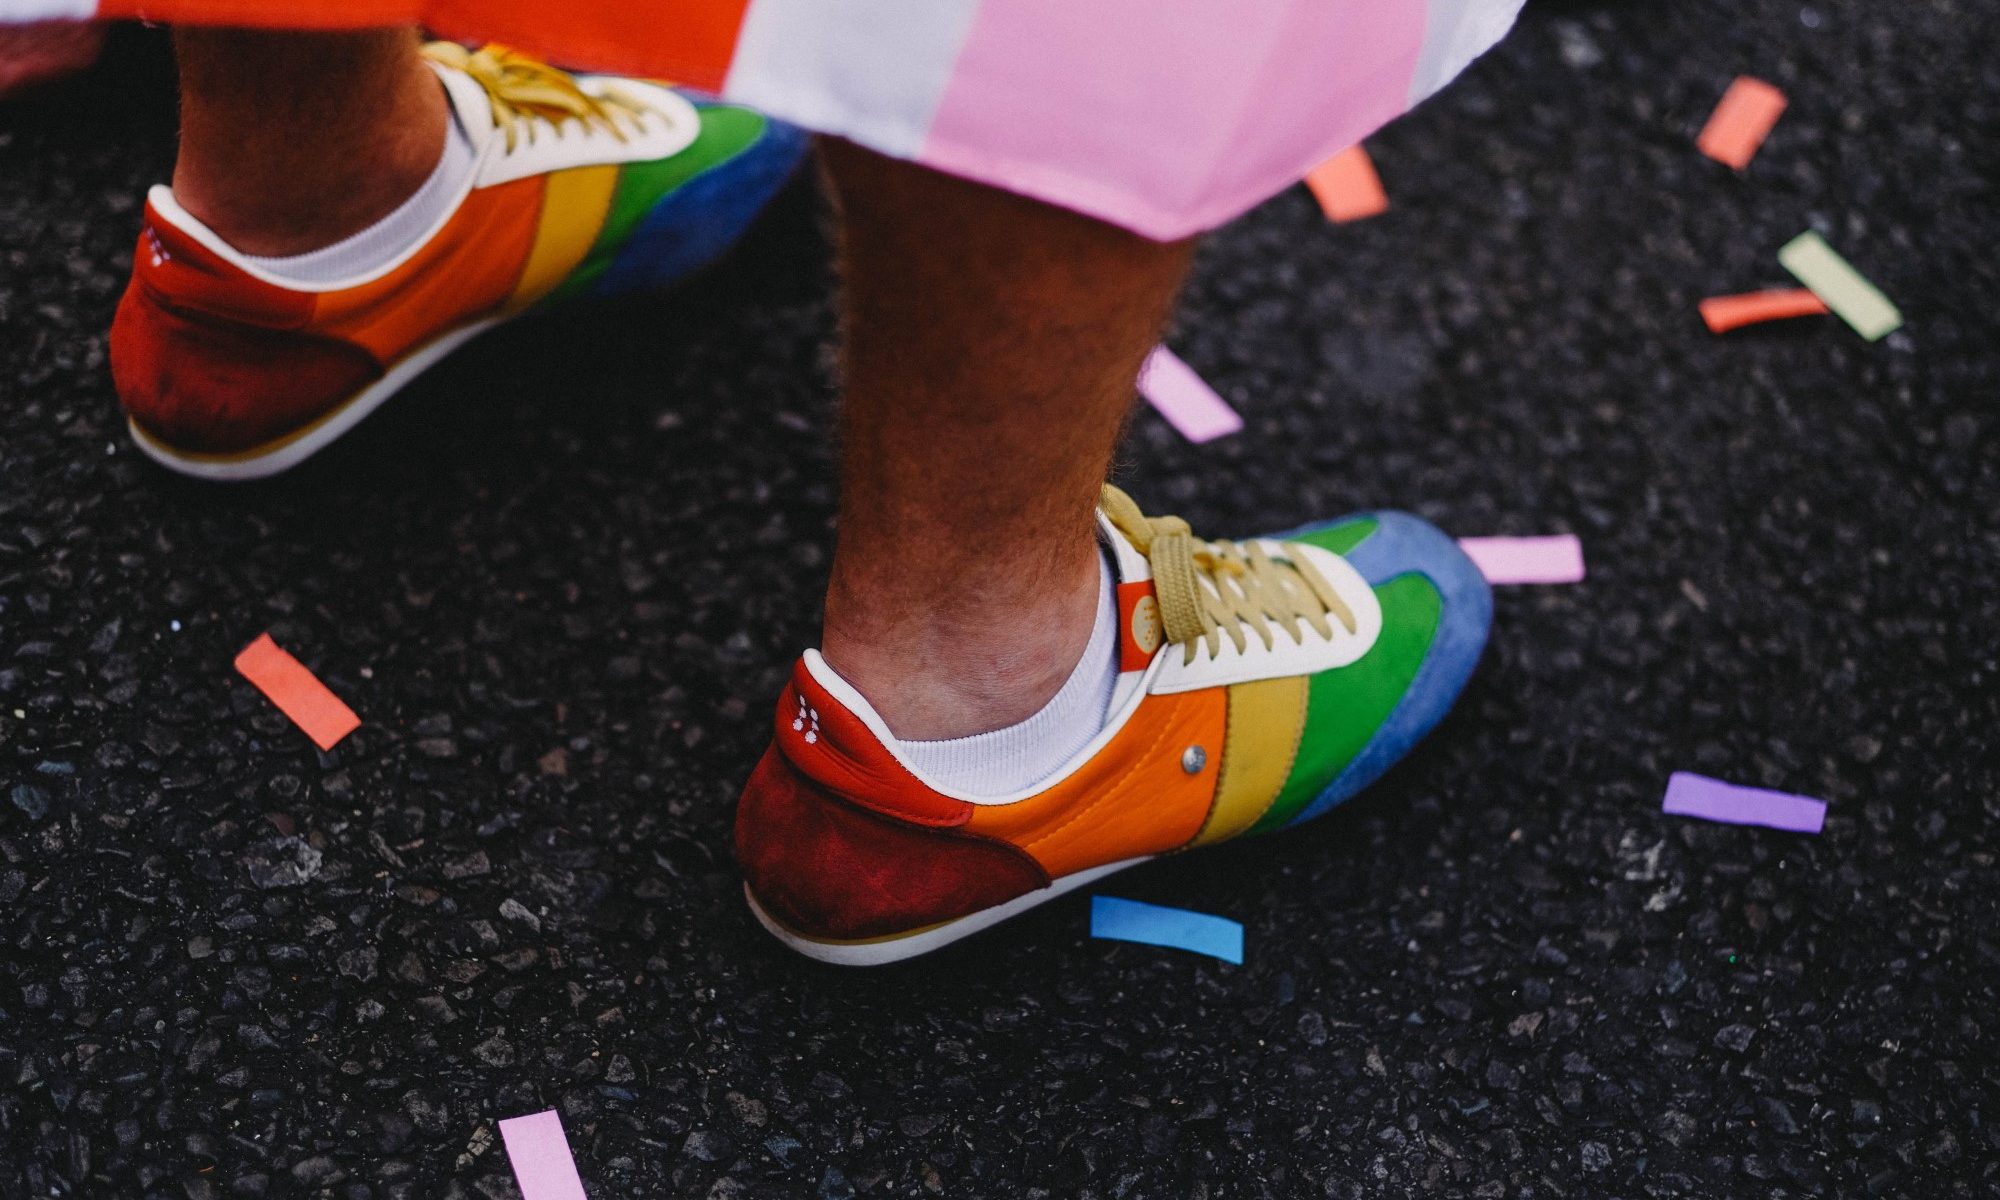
[
  {"x": 1555, "y": 559},
  {"x": 1188, "y": 404},
  {"x": 540, "y": 1154}
]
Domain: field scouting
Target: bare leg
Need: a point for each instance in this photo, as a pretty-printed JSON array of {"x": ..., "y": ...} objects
[
  {"x": 292, "y": 141},
  {"x": 991, "y": 347}
]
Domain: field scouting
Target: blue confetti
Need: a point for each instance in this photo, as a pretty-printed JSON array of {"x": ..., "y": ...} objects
[{"x": 1132, "y": 921}]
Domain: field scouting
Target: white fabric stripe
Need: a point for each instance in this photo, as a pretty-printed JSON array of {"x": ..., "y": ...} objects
[
  {"x": 1455, "y": 33},
  {"x": 24, "y": 12},
  {"x": 873, "y": 70}
]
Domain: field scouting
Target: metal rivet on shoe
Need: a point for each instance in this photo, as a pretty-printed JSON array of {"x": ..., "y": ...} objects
[{"x": 1193, "y": 759}]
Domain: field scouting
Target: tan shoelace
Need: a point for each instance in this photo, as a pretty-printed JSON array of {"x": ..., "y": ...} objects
[
  {"x": 526, "y": 93},
  {"x": 1209, "y": 590}
]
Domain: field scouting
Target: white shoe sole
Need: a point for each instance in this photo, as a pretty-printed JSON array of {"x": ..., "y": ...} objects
[
  {"x": 272, "y": 458},
  {"x": 874, "y": 952}
]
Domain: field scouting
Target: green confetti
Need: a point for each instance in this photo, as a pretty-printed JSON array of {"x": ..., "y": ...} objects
[{"x": 1857, "y": 301}]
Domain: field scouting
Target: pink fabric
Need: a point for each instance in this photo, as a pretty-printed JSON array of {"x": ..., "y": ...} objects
[
  {"x": 1239, "y": 98},
  {"x": 1165, "y": 116}
]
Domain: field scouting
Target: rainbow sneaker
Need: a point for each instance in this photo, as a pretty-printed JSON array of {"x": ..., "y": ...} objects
[
  {"x": 585, "y": 185},
  {"x": 1261, "y": 684}
]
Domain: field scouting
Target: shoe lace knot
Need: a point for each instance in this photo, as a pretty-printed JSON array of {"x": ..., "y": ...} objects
[
  {"x": 527, "y": 94},
  {"x": 1208, "y": 590}
]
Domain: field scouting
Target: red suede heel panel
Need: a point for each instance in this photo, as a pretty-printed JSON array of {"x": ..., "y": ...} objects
[
  {"x": 828, "y": 869},
  {"x": 209, "y": 384}
]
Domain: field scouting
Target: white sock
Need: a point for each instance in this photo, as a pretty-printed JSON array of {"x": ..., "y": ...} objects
[
  {"x": 386, "y": 240},
  {"x": 1007, "y": 760}
]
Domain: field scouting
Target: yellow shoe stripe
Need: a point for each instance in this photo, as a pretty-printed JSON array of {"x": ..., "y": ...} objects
[
  {"x": 1266, "y": 719},
  {"x": 574, "y": 204}
]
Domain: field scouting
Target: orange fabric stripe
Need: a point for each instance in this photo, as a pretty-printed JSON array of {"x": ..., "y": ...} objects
[
  {"x": 1133, "y": 798},
  {"x": 688, "y": 41},
  {"x": 466, "y": 271},
  {"x": 268, "y": 14}
]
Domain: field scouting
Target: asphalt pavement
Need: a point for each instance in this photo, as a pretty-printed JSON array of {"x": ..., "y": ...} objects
[{"x": 562, "y": 579}]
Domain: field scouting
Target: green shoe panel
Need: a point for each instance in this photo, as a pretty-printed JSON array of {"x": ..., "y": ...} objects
[
  {"x": 1340, "y": 538},
  {"x": 1345, "y": 706},
  {"x": 726, "y": 132}
]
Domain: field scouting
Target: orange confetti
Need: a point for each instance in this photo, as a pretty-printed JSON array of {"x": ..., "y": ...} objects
[
  {"x": 1347, "y": 187},
  {"x": 1724, "y": 313},
  {"x": 1741, "y": 121},
  {"x": 297, "y": 692}
]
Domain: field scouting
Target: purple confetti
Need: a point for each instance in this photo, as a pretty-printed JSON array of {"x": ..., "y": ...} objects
[{"x": 1691, "y": 795}]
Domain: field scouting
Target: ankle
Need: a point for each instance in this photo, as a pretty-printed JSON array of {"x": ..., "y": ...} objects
[
  {"x": 953, "y": 669},
  {"x": 272, "y": 187}
]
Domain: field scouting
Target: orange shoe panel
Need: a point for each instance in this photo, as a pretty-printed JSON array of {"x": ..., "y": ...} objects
[
  {"x": 1132, "y": 798},
  {"x": 467, "y": 271}
]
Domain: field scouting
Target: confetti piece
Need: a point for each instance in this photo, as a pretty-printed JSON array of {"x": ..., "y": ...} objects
[
  {"x": 1153, "y": 925},
  {"x": 1724, "y": 313},
  {"x": 540, "y": 1154},
  {"x": 1188, "y": 404},
  {"x": 1856, "y": 301},
  {"x": 297, "y": 692},
  {"x": 1554, "y": 559},
  {"x": 1347, "y": 187},
  {"x": 1691, "y": 795},
  {"x": 1741, "y": 122}
]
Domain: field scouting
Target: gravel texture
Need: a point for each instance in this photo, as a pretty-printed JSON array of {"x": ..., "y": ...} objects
[{"x": 562, "y": 580}]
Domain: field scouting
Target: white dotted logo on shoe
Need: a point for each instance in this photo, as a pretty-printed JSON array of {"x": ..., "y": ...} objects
[
  {"x": 1146, "y": 624},
  {"x": 807, "y": 720}
]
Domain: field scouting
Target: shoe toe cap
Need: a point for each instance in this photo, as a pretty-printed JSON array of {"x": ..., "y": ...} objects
[
  {"x": 1384, "y": 547},
  {"x": 1404, "y": 544}
]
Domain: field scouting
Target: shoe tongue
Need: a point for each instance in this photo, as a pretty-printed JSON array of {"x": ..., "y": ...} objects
[
  {"x": 1138, "y": 610},
  {"x": 469, "y": 104}
]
